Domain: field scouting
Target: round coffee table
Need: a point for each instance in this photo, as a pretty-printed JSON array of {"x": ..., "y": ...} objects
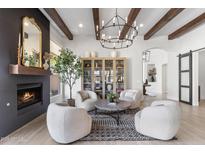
[{"x": 110, "y": 108}]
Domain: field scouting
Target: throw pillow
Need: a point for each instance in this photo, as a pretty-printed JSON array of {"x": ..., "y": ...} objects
[
  {"x": 129, "y": 95},
  {"x": 84, "y": 95}
]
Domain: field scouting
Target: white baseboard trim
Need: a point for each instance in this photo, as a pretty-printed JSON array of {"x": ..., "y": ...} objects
[{"x": 174, "y": 98}]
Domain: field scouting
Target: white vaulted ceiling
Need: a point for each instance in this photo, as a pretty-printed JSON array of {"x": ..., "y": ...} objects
[{"x": 147, "y": 16}]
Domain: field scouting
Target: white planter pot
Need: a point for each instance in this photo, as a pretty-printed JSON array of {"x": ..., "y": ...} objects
[
  {"x": 113, "y": 54},
  {"x": 93, "y": 54}
]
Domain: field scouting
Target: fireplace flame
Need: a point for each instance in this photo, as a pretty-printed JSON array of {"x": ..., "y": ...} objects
[{"x": 27, "y": 96}]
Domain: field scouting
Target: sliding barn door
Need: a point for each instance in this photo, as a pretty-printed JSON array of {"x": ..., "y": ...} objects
[{"x": 185, "y": 78}]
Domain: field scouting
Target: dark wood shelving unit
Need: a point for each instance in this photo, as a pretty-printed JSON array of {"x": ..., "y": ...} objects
[{"x": 16, "y": 69}]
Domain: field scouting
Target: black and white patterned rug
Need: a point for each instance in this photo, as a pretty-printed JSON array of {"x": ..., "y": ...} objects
[{"x": 105, "y": 128}]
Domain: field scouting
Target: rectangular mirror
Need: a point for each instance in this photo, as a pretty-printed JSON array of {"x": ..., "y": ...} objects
[{"x": 32, "y": 43}]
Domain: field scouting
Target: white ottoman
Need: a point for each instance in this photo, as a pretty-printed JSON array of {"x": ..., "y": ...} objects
[
  {"x": 67, "y": 124},
  {"x": 161, "y": 120}
]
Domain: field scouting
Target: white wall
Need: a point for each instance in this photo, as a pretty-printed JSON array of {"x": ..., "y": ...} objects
[
  {"x": 172, "y": 76},
  {"x": 190, "y": 41},
  {"x": 202, "y": 73},
  {"x": 56, "y": 37},
  {"x": 82, "y": 44}
]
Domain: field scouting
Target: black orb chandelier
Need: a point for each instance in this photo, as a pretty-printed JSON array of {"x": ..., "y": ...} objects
[{"x": 111, "y": 33}]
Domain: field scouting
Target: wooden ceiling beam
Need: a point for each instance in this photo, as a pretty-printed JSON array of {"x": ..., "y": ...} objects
[
  {"x": 162, "y": 22},
  {"x": 187, "y": 27},
  {"x": 59, "y": 22},
  {"x": 131, "y": 18},
  {"x": 96, "y": 20}
]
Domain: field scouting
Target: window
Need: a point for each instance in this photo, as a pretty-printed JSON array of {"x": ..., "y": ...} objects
[{"x": 55, "y": 84}]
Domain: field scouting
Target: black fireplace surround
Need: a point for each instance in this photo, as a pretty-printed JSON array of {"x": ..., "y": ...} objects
[
  {"x": 13, "y": 113},
  {"x": 28, "y": 94}
]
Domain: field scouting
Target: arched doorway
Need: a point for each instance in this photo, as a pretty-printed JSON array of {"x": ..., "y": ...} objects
[{"x": 154, "y": 73}]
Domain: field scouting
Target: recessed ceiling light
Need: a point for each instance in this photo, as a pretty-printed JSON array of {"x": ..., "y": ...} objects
[
  {"x": 80, "y": 25},
  {"x": 141, "y": 25}
]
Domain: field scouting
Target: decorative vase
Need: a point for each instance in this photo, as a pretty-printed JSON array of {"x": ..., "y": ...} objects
[
  {"x": 109, "y": 87},
  {"x": 26, "y": 63},
  {"x": 45, "y": 65},
  {"x": 93, "y": 54}
]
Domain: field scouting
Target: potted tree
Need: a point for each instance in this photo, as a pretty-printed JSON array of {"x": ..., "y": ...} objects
[{"x": 68, "y": 66}]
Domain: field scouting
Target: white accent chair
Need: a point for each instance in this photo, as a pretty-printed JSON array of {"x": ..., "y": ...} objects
[
  {"x": 67, "y": 124},
  {"x": 161, "y": 120},
  {"x": 133, "y": 96},
  {"x": 88, "y": 104}
]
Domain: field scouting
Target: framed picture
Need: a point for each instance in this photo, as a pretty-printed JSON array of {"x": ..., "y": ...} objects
[{"x": 151, "y": 73}]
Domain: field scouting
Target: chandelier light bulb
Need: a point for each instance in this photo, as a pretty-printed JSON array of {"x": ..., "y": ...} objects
[
  {"x": 113, "y": 21},
  {"x": 103, "y": 36},
  {"x": 97, "y": 27},
  {"x": 135, "y": 23},
  {"x": 133, "y": 33},
  {"x": 126, "y": 20},
  {"x": 103, "y": 23},
  {"x": 119, "y": 32}
]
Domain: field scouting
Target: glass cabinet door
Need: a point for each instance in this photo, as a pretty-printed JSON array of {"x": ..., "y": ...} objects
[
  {"x": 120, "y": 81},
  {"x": 87, "y": 75},
  {"x": 109, "y": 77},
  {"x": 98, "y": 78}
]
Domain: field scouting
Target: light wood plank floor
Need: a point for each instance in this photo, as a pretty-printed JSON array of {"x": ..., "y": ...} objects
[{"x": 192, "y": 130}]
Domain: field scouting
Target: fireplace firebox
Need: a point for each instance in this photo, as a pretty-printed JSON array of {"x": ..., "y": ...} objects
[{"x": 28, "y": 94}]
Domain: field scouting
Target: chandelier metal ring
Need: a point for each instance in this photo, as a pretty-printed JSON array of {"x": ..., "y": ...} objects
[{"x": 115, "y": 25}]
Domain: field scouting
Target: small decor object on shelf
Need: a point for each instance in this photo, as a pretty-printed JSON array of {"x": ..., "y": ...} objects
[
  {"x": 46, "y": 57},
  {"x": 109, "y": 87},
  {"x": 19, "y": 53},
  {"x": 112, "y": 97},
  {"x": 45, "y": 65}
]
